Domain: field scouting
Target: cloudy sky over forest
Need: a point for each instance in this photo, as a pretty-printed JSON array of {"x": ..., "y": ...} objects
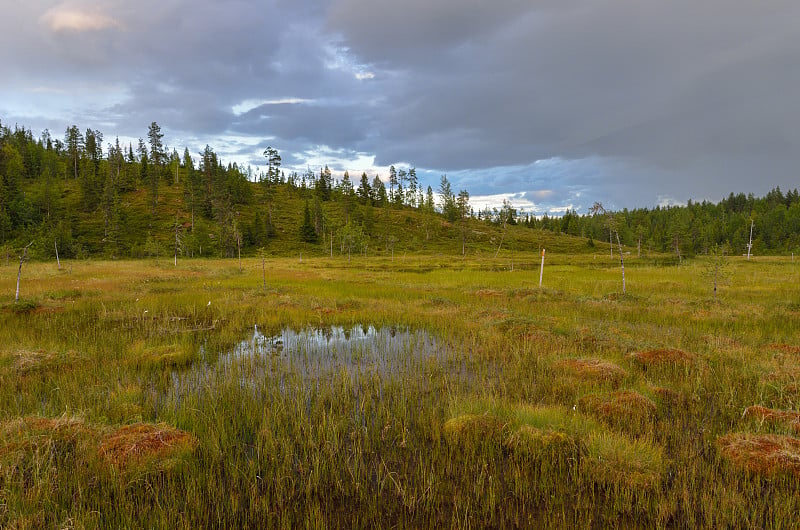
[{"x": 551, "y": 103}]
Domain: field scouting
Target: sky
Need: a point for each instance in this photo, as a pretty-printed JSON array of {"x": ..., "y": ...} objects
[{"x": 550, "y": 104}]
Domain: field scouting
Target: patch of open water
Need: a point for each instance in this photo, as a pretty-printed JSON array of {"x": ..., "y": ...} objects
[
  {"x": 311, "y": 355},
  {"x": 314, "y": 351}
]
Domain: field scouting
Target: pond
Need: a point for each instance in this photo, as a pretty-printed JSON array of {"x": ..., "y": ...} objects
[
  {"x": 315, "y": 351},
  {"x": 308, "y": 357}
]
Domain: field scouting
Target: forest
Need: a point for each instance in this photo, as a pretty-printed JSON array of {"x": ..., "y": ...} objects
[{"x": 74, "y": 196}]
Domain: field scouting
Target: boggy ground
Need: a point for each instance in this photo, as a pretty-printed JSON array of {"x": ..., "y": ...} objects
[{"x": 567, "y": 405}]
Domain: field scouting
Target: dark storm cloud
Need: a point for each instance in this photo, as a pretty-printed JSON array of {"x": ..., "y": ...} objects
[
  {"x": 631, "y": 102},
  {"x": 694, "y": 90}
]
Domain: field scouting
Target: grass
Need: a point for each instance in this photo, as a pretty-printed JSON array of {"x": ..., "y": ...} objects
[
  {"x": 764, "y": 454},
  {"x": 563, "y": 406}
]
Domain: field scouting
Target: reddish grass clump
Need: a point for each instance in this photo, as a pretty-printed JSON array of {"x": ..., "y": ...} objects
[
  {"x": 626, "y": 409},
  {"x": 767, "y": 454},
  {"x": 662, "y": 356},
  {"x": 788, "y": 418},
  {"x": 31, "y": 432},
  {"x": 785, "y": 348},
  {"x": 667, "y": 396},
  {"x": 141, "y": 443},
  {"x": 592, "y": 369}
]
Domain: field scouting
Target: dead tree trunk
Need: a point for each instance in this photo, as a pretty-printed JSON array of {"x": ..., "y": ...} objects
[
  {"x": 23, "y": 257},
  {"x": 502, "y": 237},
  {"x": 621, "y": 262},
  {"x": 176, "y": 243},
  {"x": 611, "y": 242},
  {"x": 264, "y": 270}
]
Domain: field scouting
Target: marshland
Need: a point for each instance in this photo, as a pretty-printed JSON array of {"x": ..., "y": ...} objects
[
  {"x": 433, "y": 264},
  {"x": 419, "y": 392}
]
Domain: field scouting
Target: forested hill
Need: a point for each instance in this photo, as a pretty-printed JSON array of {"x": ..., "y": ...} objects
[
  {"x": 83, "y": 200},
  {"x": 697, "y": 227},
  {"x": 86, "y": 198}
]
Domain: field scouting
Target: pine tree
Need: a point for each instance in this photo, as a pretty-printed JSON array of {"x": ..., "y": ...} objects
[
  {"x": 347, "y": 196},
  {"x": 448, "y": 200},
  {"x": 378, "y": 190},
  {"x": 273, "y": 164},
  {"x": 74, "y": 142},
  {"x": 154, "y": 135},
  {"x": 392, "y": 182}
]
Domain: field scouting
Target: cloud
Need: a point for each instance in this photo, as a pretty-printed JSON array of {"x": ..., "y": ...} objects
[
  {"x": 618, "y": 101},
  {"x": 683, "y": 99},
  {"x": 250, "y": 104},
  {"x": 66, "y": 18}
]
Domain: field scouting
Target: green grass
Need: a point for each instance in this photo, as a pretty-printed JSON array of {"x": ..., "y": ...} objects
[{"x": 501, "y": 431}]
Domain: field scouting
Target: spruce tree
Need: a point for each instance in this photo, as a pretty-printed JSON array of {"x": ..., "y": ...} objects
[{"x": 307, "y": 231}]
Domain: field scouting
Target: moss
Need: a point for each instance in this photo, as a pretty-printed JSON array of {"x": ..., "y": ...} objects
[
  {"x": 787, "y": 419},
  {"x": 592, "y": 369},
  {"x": 146, "y": 444},
  {"x": 614, "y": 459},
  {"x": 763, "y": 454},
  {"x": 627, "y": 410}
]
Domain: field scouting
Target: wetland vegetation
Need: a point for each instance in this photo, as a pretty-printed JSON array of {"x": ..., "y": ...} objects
[{"x": 418, "y": 392}]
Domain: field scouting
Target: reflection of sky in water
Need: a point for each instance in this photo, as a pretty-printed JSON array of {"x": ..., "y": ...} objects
[
  {"x": 310, "y": 356},
  {"x": 314, "y": 350}
]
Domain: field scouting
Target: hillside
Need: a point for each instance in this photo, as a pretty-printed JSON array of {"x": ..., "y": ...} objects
[
  {"x": 76, "y": 198},
  {"x": 357, "y": 229}
]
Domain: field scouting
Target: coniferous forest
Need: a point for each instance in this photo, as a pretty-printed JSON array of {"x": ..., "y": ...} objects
[{"x": 86, "y": 195}]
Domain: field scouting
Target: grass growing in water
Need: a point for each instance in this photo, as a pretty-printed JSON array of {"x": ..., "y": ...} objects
[{"x": 479, "y": 430}]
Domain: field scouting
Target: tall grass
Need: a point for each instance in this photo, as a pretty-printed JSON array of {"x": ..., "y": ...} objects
[{"x": 542, "y": 407}]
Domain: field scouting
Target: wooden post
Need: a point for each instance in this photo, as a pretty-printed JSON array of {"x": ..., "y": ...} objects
[
  {"x": 263, "y": 270},
  {"x": 621, "y": 262},
  {"x": 176, "y": 243},
  {"x": 541, "y": 270}
]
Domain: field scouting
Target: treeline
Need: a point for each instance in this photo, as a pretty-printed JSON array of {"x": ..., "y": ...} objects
[
  {"x": 684, "y": 230},
  {"x": 73, "y": 196}
]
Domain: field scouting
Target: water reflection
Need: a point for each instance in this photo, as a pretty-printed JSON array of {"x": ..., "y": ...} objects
[
  {"x": 291, "y": 359},
  {"x": 316, "y": 350}
]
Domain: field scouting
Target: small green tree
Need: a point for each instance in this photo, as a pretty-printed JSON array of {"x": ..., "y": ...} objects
[
  {"x": 352, "y": 237},
  {"x": 307, "y": 231}
]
